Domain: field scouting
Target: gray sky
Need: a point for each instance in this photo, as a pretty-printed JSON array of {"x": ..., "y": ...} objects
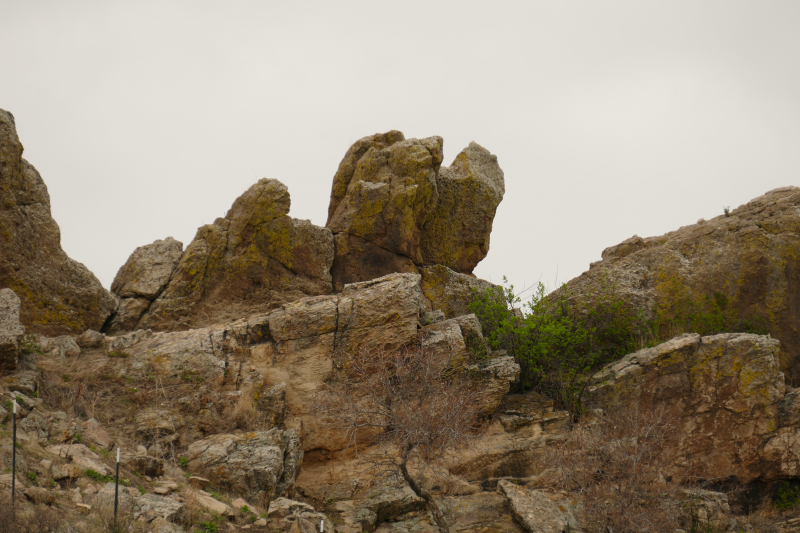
[{"x": 147, "y": 119}]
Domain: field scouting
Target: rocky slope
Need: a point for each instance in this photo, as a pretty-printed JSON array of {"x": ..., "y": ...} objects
[
  {"x": 59, "y": 295},
  {"x": 750, "y": 256}
]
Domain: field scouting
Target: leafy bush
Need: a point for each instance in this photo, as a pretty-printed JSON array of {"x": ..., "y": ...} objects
[{"x": 787, "y": 497}]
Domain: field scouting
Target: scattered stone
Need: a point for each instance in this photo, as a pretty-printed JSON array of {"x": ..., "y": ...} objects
[
  {"x": 82, "y": 508},
  {"x": 198, "y": 482},
  {"x": 39, "y": 495},
  {"x": 63, "y": 346},
  {"x": 151, "y": 506},
  {"x": 24, "y": 382},
  {"x": 154, "y": 422},
  {"x": 144, "y": 464},
  {"x": 82, "y": 458}
]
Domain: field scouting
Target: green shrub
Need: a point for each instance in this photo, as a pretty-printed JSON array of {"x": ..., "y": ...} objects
[{"x": 787, "y": 497}]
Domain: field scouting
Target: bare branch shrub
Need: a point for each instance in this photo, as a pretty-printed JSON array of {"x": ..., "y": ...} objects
[
  {"x": 410, "y": 404},
  {"x": 617, "y": 464}
]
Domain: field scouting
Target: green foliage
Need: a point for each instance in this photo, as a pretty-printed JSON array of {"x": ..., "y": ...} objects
[
  {"x": 183, "y": 461},
  {"x": 245, "y": 509},
  {"x": 29, "y": 345},
  {"x": 122, "y": 355},
  {"x": 141, "y": 490},
  {"x": 78, "y": 438},
  {"x": 559, "y": 340},
  {"x": 555, "y": 345},
  {"x": 787, "y": 497},
  {"x": 97, "y": 476},
  {"x": 33, "y": 475}
]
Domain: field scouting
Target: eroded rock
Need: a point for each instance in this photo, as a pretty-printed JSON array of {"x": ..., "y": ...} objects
[
  {"x": 255, "y": 258},
  {"x": 58, "y": 295},
  {"x": 11, "y": 331}
]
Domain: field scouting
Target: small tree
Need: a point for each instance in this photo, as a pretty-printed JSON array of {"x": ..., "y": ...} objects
[{"x": 412, "y": 404}]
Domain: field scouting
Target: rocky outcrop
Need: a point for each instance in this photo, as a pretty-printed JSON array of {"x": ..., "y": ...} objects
[
  {"x": 11, "y": 331},
  {"x": 457, "y": 233},
  {"x": 259, "y": 465},
  {"x": 748, "y": 257},
  {"x": 449, "y": 291},
  {"x": 394, "y": 208},
  {"x": 59, "y": 295},
  {"x": 141, "y": 280},
  {"x": 736, "y": 418},
  {"x": 254, "y": 259}
]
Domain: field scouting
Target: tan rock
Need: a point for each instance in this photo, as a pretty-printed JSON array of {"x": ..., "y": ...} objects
[
  {"x": 80, "y": 456},
  {"x": 11, "y": 331},
  {"x": 450, "y": 291},
  {"x": 128, "y": 314},
  {"x": 255, "y": 465},
  {"x": 255, "y": 258},
  {"x": 148, "y": 270},
  {"x": 58, "y": 295},
  {"x": 725, "y": 391},
  {"x": 536, "y": 510},
  {"x": 383, "y": 192},
  {"x": 456, "y": 234},
  {"x": 359, "y": 260},
  {"x": 747, "y": 257}
]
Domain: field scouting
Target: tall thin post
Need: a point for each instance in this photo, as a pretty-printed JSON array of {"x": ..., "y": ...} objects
[
  {"x": 14, "y": 457},
  {"x": 116, "y": 492}
]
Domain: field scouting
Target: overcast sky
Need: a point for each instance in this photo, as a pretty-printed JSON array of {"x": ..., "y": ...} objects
[{"x": 147, "y": 119}]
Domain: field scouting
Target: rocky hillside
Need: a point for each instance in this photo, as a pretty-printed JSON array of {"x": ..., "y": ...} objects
[{"x": 207, "y": 365}]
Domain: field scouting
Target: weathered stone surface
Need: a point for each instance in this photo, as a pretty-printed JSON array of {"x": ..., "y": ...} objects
[
  {"x": 255, "y": 465},
  {"x": 751, "y": 257},
  {"x": 79, "y": 456},
  {"x": 58, "y": 295},
  {"x": 457, "y": 232},
  {"x": 272, "y": 405},
  {"x": 11, "y": 331},
  {"x": 24, "y": 382},
  {"x": 62, "y": 346},
  {"x": 90, "y": 339},
  {"x": 149, "y": 507},
  {"x": 156, "y": 421},
  {"x": 450, "y": 291},
  {"x": 145, "y": 464},
  {"x": 483, "y": 512},
  {"x": 538, "y": 511},
  {"x": 255, "y": 258},
  {"x": 381, "y": 312},
  {"x": 148, "y": 270},
  {"x": 706, "y": 508},
  {"x": 40, "y": 496},
  {"x": 359, "y": 260},
  {"x": 725, "y": 391},
  {"x": 394, "y": 207},
  {"x": 496, "y": 376},
  {"x": 127, "y": 316}
]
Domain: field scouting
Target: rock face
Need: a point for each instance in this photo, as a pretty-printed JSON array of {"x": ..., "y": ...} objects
[
  {"x": 538, "y": 511},
  {"x": 59, "y": 295},
  {"x": 256, "y": 258},
  {"x": 142, "y": 279},
  {"x": 257, "y": 464},
  {"x": 291, "y": 350},
  {"x": 457, "y": 233},
  {"x": 450, "y": 291},
  {"x": 394, "y": 208},
  {"x": 750, "y": 256},
  {"x": 735, "y": 417},
  {"x": 11, "y": 331}
]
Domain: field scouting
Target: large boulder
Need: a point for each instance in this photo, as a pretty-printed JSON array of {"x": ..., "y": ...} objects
[
  {"x": 259, "y": 465},
  {"x": 735, "y": 419},
  {"x": 449, "y": 291},
  {"x": 394, "y": 208},
  {"x": 256, "y": 258},
  {"x": 142, "y": 279},
  {"x": 11, "y": 331},
  {"x": 59, "y": 295},
  {"x": 457, "y": 232},
  {"x": 746, "y": 259}
]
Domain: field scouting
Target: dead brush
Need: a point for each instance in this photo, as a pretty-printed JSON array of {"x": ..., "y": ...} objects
[{"x": 617, "y": 465}]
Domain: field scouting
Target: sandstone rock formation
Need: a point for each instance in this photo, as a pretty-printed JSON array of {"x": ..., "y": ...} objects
[
  {"x": 735, "y": 417},
  {"x": 450, "y": 291},
  {"x": 751, "y": 256},
  {"x": 394, "y": 208},
  {"x": 539, "y": 511},
  {"x": 257, "y": 465},
  {"x": 254, "y": 259},
  {"x": 58, "y": 294},
  {"x": 11, "y": 331},
  {"x": 290, "y": 351},
  {"x": 141, "y": 280}
]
